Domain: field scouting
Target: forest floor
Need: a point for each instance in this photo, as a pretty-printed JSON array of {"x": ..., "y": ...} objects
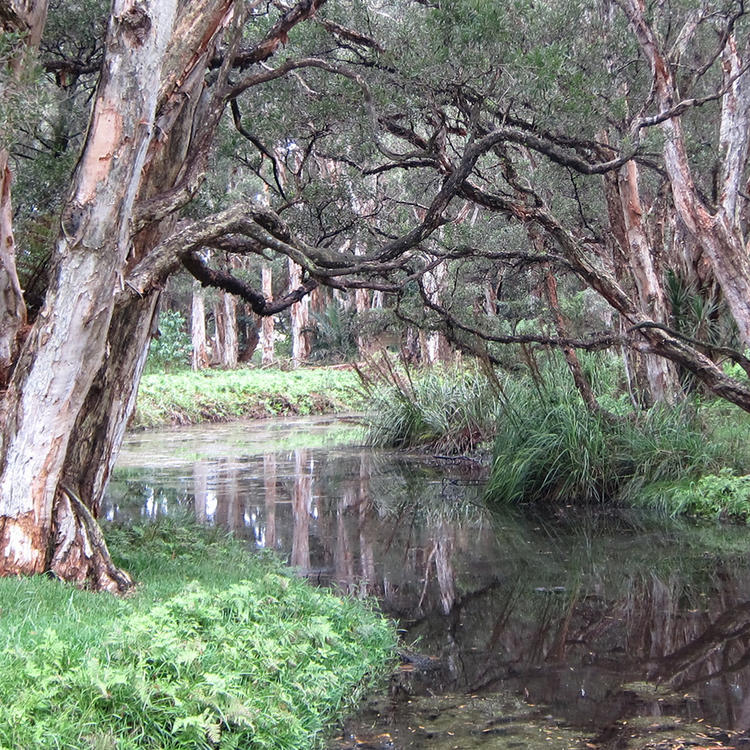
[
  {"x": 187, "y": 397},
  {"x": 214, "y": 648}
]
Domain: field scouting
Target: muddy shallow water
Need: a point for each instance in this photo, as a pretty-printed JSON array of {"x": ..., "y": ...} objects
[{"x": 564, "y": 630}]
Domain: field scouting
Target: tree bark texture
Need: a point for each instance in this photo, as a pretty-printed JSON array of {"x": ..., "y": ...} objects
[
  {"x": 67, "y": 343},
  {"x": 198, "y": 328},
  {"x": 12, "y": 307},
  {"x": 268, "y": 355}
]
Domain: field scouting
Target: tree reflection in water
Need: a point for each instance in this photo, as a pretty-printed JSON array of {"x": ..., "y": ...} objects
[{"x": 564, "y": 612}]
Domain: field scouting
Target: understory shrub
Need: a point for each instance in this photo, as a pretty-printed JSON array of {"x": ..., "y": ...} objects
[
  {"x": 722, "y": 495},
  {"x": 265, "y": 662}
]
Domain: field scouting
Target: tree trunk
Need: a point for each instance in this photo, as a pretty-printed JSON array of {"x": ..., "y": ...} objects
[
  {"x": 111, "y": 399},
  {"x": 718, "y": 232},
  {"x": 300, "y": 312},
  {"x": 437, "y": 347},
  {"x": 268, "y": 356},
  {"x": 68, "y": 341},
  {"x": 12, "y": 307},
  {"x": 26, "y": 18},
  {"x": 225, "y": 337},
  {"x": 100, "y": 428},
  {"x": 198, "y": 329},
  {"x": 662, "y": 376}
]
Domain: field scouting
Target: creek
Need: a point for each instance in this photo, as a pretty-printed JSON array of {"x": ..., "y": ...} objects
[{"x": 569, "y": 629}]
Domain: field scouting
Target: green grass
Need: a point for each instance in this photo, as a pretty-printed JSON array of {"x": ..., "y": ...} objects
[
  {"x": 216, "y": 649},
  {"x": 451, "y": 411},
  {"x": 222, "y": 395},
  {"x": 550, "y": 448}
]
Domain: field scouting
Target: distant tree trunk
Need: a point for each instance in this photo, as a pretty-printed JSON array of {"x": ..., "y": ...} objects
[
  {"x": 67, "y": 343},
  {"x": 300, "y": 312},
  {"x": 225, "y": 336},
  {"x": 198, "y": 328},
  {"x": 231, "y": 341},
  {"x": 268, "y": 355},
  {"x": 437, "y": 346}
]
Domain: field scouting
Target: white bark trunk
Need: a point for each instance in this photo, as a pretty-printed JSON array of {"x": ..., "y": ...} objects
[
  {"x": 661, "y": 374},
  {"x": 198, "y": 328},
  {"x": 230, "y": 340},
  {"x": 300, "y": 313},
  {"x": 268, "y": 356},
  {"x": 437, "y": 348},
  {"x": 67, "y": 343}
]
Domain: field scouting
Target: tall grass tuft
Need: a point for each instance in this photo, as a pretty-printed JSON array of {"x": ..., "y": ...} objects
[
  {"x": 448, "y": 410},
  {"x": 550, "y": 448}
]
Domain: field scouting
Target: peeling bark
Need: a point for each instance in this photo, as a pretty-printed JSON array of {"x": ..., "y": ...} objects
[
  {"x": 12, "y": 307},
  {"x": 67, "y": 342}
]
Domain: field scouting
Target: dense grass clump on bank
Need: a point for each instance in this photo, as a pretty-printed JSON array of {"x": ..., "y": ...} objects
[
  {"x": 243, "y": 655},
  {"x": 450, "y": 411},
  {"x": 220, "y": 395},
  {"x": 689, "y": 459},
  {"x": 551, "y": 448}
]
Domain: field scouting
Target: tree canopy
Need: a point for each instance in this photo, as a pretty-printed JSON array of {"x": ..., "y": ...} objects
[{"x": 466, "y": 158}]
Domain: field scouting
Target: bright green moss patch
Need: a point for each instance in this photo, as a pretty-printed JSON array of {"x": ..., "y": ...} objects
[
  {"x": 244, "y": 656},
  {"x": 221, "y": 395}
]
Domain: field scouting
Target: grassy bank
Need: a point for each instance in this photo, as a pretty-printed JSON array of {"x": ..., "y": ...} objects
[
  {"x": 220, "y": 395},
  {"x": 217, "y": 649}
]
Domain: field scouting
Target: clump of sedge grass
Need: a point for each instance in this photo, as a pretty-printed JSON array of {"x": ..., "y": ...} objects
[
  {"x": 448, "y": 410},
  {"x": 551, "y": 448},
  {"x": 244, "y": 656}
]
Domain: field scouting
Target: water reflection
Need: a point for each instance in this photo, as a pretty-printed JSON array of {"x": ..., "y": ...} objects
[{"x": 596, "y": 618}]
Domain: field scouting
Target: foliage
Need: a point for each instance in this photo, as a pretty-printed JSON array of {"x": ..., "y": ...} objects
[
  {"x": 722, "y": 495},
  {"x": 247, "y": 657},
  {"x": 451, "y": 411},
  {"x": 215, "y": 395},
  {"x": 171, "y": 348},
  {"x": 335, "y": 335},
  {"x": 551, "y": 448}
]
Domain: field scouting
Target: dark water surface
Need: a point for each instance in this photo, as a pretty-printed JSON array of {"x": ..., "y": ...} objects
[{"x": 570, "y": 631}]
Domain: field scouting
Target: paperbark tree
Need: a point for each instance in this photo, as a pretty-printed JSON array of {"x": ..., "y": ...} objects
[
  {"x": 67, "y": 342},
  {"x": 198, "y": 329},
  {"x": 73, "y": 386},
  {"x": 717, "y": 229}
]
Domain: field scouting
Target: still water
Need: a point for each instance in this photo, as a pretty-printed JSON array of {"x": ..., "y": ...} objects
[{"x": 566, "y": 630}]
